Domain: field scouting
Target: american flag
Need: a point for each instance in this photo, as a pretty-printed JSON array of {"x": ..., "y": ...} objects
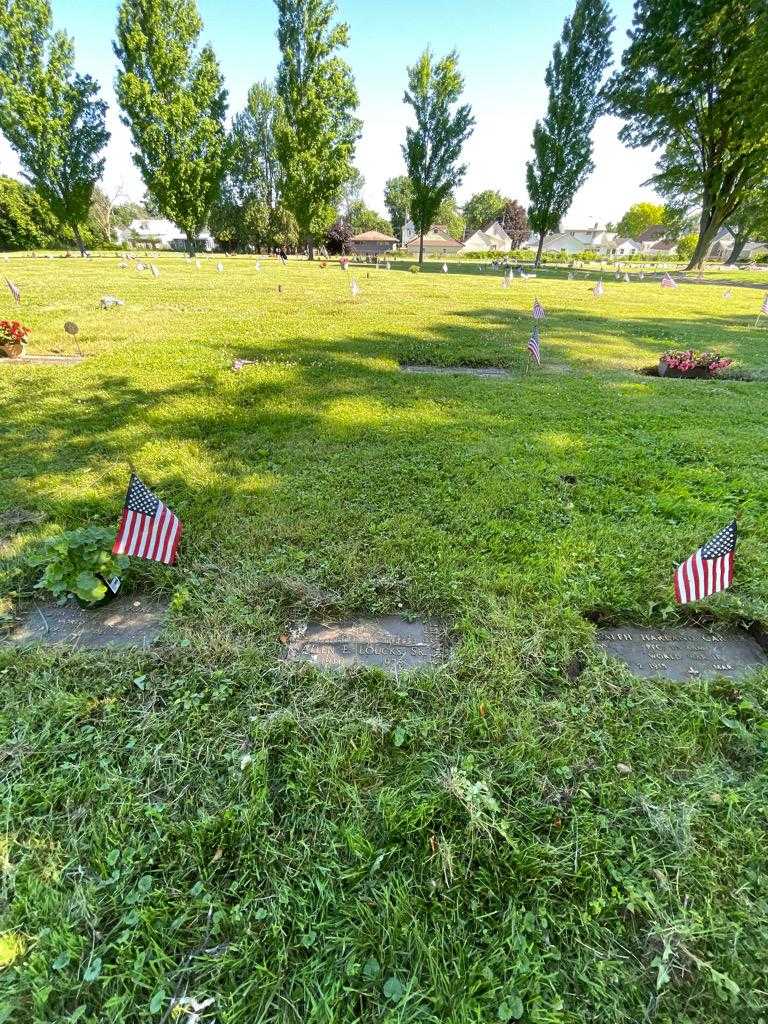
[
  {"x": 148, "y": 528},
  {"x": 598, "y": 289},
  {"x": 763, "y": 308},
  {"x": 538, "y": 310},
  {"x": 709, "y": 570},
  {"x": 533, "y": 345},
  {"x": 668, "y": 282},
  {"x": 16, "y": 291},
  {"x": 354, "y": 288}
]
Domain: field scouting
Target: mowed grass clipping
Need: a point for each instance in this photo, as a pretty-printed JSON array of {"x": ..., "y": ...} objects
[{"x": 500, "y": 838}]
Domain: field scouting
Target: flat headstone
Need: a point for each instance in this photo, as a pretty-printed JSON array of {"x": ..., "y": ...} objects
[
  {"x": 133, "y": 620},
  {"x": 683, "y": 653},
  {"x": 44, "y": 361},
  {"x": 389, "y": 642},
  {"x": 484, "y": 372}
]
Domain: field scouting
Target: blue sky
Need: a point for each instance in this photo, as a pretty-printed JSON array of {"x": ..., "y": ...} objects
[{"x": 504, "y": 47}]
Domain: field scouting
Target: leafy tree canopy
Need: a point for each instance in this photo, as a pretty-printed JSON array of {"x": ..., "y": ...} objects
[
  {"x": 50, "y": 114},
  {"x": 174, "y": 103},
  {"x": 433, "y": 148},
  {"x": 639, "y": 217},
  {"x": 482, "y": 209},
  {"x": 398, "y": 193},
  {"x": 693, "y": 84}
]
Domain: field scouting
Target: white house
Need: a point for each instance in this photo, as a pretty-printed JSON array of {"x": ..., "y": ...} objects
[
  {"x": 158, "y": 233},
  {"x": 555, "y": 242},
  {"x": 491, "y": 239},
  {"x": 592, "y": 238},
  {"x": 620, "y": 247}
]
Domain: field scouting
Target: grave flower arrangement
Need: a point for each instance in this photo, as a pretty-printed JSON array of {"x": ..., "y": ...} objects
[
  {"x": 80, "y": 563},
  {"x": 12, "y": 338},
  {"x": 692, "y": 364}
]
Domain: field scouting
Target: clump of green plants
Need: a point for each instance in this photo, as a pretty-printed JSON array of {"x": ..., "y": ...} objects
[
  {"x": 79, "y": 563},
  {"x": 415, "y": 269}
]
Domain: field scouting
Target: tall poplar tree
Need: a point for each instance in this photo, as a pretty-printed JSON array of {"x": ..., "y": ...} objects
[
  {"x": 315, "y": 130},
  {"x": 562, "y": 141},
  {"x": 174, "y": 103},
  {"x": 433, "y": 148},
  {"x": 51, "y": 115},
  {"x": 694, "y": 85}
]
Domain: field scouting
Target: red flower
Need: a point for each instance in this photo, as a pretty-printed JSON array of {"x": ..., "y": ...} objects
[{"x": 11, "y": 331}]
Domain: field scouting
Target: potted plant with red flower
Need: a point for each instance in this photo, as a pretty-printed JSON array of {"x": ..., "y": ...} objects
[
  {"x": 12, "y": 335},
  {"x": 692, "y": 364}
]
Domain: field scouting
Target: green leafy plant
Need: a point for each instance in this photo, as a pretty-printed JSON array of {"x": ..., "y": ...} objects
[{"x": 74, "y": 562}]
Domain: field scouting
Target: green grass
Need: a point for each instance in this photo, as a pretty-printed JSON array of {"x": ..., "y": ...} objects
[{"x": 204, "y": 820}]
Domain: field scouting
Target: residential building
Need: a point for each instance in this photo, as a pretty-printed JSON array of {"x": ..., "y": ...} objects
[
  {"x": 158, "y": 233},
  {"x": 372, "y": 243},
  {"x": 491, "y": 239},
  {"x": 437, "y": 242}
]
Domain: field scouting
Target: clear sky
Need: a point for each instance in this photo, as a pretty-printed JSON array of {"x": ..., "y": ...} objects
[{"x": 504, "y": 47}]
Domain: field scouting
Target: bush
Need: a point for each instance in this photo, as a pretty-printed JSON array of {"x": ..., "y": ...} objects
[
  {"x": 415, "y": 269},
  {"x": 75, "y": 561}
]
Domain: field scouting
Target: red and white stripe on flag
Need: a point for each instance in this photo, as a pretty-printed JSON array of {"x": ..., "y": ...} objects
[
  {"x": 708, "y": 570},
  {"x": 148, "y": 529}
]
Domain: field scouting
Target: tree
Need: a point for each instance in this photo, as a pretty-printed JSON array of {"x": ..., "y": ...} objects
[
  {"x": 174, "y": 103},
  {"x": 316, "y": 130},
  {"x": 514, "y": 220},
  {"x": 432, "y": 149},
  {"x": 337, "y": 239},
  {"x": 482, "y": 209},
  {"x": 245, "y": 213},
  {"x": 124, "y": 213},
  {"x": 750, "y": 220},
  {"x": 562, "y": 142},
  {"x": 351, "y": 191},
  {"x": 639, "y": 217},
  {"x": 51, "y": 116},
  {"x": 360, "y": 218},
  {"x": 398, "y": 193},
  {"x": 26, "y": 220},
  {"x": 448, "y": 214},
  {"x": 693, "y": 84},
  {"x": 686, "y": 246}
]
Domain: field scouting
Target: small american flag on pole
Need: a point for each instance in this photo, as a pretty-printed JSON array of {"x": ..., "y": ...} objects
[
  {"x": 534, "y": 346},
  {"x": 709, "y": 570},
  {"x": 668, "y": 282},
  {"x": 764, "y": 307},
  {"x": 538, "y": 310},
  {"x": 148, "y": 528},
  {"x": 16, "y": 291},
  {"x": 598, "y": 290}
]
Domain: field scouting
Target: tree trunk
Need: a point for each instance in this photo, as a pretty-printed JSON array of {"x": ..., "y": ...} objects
[
  {"x": 421, "y": 248},
  {"x": 739, "y": 241},
  {"x": 190, "y": 243},
  {"x": 542, "y": 236},
  {"x": 709, "y": 224},
  {"x": 311, "y": 247},
  {"x": 79, "y": 239}
]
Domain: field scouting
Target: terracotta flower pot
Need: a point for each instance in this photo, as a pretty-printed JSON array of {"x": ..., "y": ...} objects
[{"x": 12, "y": 349}]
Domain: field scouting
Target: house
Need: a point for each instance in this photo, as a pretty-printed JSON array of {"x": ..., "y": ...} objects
[
  {"x": 593, "y": 238},
  {"x": 158, "y": 233},
  {"x": 556, "y": 242},
  {"x": 372, "y": 243},
  {"x": 437, "y": 242},
  {"x": 620, "y": 247},
  {"x": 664, "y": 247},
  {"x": 491, "y": 239},
  {"x": 652, "y": 235}
]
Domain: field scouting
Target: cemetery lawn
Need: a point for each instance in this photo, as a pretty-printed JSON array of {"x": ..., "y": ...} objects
[{"x": 502, "y": 838}]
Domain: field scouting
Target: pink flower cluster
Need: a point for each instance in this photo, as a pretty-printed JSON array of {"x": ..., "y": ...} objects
[{"x": 691, "y": 360}]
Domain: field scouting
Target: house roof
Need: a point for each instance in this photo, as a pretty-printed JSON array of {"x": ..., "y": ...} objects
[
  {"x": 653, "y": 233},
  {"x": 664, "y": 246},
  {"x": 437, "y": 235},
  {"x": 623, "y": 241},
  {"x": 372, "y": 236}
]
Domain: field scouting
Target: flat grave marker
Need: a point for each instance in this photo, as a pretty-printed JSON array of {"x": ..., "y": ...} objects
[
  {"x": 683, "y": 653},
  {"x": 483, "y": 372},
  {"x": 132, "y": 620},
  {"x": 389, "y": 642}
]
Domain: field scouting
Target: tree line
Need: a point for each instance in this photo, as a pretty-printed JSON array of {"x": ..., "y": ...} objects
[{"x": 692, "y": 84}]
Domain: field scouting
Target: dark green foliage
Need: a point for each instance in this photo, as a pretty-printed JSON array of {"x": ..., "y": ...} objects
[
  {"x": 398, "y": 193},
  {"x": 315, "y": 130},
  {"x": 51, "y": 116},
  {"x": 433, "y": 148},
  {"x": 73, "y": 562},
  {"x": 26, "y": 221},
  {"x": 562, "y": 141},
  {"x": 514, "y": 220},
  {"x": 694, "y": 84},
  {"x": 483, "y": 209},
  {"x": 174, "y": 103}
]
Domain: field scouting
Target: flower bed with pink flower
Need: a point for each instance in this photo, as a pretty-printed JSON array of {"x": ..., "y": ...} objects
[
  {"x": 12, "y": 335},
  {"x": 692, "y": 364}
]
